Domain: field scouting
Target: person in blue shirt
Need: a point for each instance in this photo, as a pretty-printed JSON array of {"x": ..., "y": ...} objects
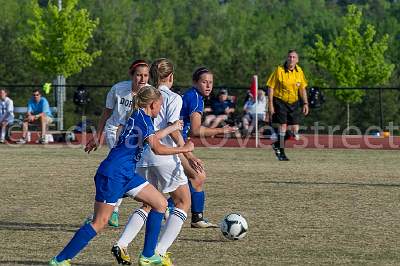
[
  {"x": 38, "y": 112},
  {"x": 221, "y": 108},
  {"x": 191, "y": 112},
  {"x": 116, "y": 178}
]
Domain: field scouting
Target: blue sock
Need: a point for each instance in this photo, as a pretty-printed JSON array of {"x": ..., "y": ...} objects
[
  {"x": 198, "y": 199},
  {"x": 171, "y": 203},
  {"x": 153, "y": 225},
  {"x": 77, "y": 243}
]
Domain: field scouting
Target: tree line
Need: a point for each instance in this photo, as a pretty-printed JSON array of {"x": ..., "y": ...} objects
[{"x": 236, "y": 39}]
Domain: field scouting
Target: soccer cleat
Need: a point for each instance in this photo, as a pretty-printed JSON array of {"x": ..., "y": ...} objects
[
  {"x": 54, "y": 262},
  {"x": 121, "y": 255},
  {"x": 203, "y": 223},
  {"x": 21, "y": 141},
  {"x": 2, "y": 141},
  {"x": 166, "y": 259},
  {"x": 114, "y": 219},
  {"x": 151, "y": 261}
]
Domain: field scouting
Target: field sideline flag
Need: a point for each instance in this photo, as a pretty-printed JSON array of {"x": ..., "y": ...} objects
[{"x": 254, "y": 92}]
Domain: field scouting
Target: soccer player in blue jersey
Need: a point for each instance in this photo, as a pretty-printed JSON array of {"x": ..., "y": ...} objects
[
  {"x": 192, "y": 109},
  {"x": 116, "y": 177},
  {"x": 118, "y": 105}
]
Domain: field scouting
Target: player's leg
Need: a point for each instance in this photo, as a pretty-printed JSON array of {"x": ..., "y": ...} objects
[
  {"x": 175, "y": 221},
  {"x": 107, "y": 193},
  {"x": 110, "y": 138},
  {"x": 218, "y": 120},
  {"x": 3, "y": 131},
  {"x": 196, "y": 183},
  {"x": 149, "y": 195},
  {"x": 280, "y": 117},
  {"x": 208, "y": 120},
  {"x": 25, "y": 124},
  {"x": 135, "y": 223}
]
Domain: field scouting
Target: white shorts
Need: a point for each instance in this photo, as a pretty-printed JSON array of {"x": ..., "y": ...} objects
[
  {"x": 110, "y": 137},
  {"x": 166, "y": 178}
]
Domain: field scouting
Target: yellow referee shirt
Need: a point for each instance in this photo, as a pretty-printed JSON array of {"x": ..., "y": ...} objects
[{"x": 286, "y": 83}]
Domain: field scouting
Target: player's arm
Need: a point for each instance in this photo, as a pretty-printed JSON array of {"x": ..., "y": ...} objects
[
  {"x": 303, "y": 95},
  {"x": 161, "y": 149},
  {"x": 197, "y": 130},
  {"x": 162, "y": 133},
  {"x": 194, "y": 162},
  {"x": 95, "y": 141}
]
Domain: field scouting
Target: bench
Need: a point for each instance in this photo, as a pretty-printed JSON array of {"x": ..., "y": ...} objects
[{"x": 20, "y": 112}]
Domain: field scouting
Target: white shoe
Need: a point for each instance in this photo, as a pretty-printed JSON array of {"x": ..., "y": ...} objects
[
  {"x": 2, "y": 141},
  {"x": 21, "y": 141},
  {"x": 203, "y": 224}
]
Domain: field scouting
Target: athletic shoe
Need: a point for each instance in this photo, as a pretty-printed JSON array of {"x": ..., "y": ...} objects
[
  {"x": 282, "y": 155},
  {"x": 166, "y": 259},
  {"x": 2, "y": 141},
  {"x": 43, "y": 140},
  {"x": 54, "y": 262},
  {"x": 121, "y": 255},
  {"x": 152, "y": 261},
  {"x": 21, "y": 141},
  {"x": 203, "y": 223},
  {"x": 277, "y": 150},
  {"x": 114, "y": 219}
]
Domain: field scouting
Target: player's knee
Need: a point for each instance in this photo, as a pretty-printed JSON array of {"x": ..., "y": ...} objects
[
  {"x": 198, "y": 182},
  {"x": 161, "y": 205}
]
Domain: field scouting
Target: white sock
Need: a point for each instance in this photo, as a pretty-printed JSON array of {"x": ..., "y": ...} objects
[
  {"x": 172, "y": 228},
  {"x": 3, "y": 134},
  {"x": 116, "y": 207},
  {"x": 132, "y": 227}
]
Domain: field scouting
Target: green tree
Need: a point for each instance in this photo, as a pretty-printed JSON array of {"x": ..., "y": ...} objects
[
  {"x": 354, "y": 58},
  {"x": 59, "y": 39}
]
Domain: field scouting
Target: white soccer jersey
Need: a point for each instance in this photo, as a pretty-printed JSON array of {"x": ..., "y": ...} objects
[
  {"x": 6, "y": 110},
  {"x": 169, "y": 113},
  {"x": 119, "y": 99}
]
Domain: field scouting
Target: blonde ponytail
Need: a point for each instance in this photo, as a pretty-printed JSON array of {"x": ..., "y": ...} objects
[{"x": 144, "y": 97}]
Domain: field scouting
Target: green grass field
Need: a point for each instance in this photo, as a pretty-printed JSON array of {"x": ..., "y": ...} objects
[{"x": 324, "y": 207}]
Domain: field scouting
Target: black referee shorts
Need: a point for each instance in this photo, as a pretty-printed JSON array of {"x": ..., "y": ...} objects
[{"x": 286, "y": 113}]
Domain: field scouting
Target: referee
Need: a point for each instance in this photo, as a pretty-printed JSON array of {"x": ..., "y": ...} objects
[{"x": 285, "y": 87}]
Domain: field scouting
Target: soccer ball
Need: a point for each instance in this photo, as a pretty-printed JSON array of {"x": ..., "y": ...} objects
[{"x": 234, "y": 226}]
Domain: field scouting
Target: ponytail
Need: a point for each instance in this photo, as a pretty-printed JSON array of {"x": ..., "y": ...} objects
[
  {"x": 160, "y": 69},
  {"x": 144, "y": 97}
]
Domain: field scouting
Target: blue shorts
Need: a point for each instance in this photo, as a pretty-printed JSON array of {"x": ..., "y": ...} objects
[{"x": 110, "y": 190}]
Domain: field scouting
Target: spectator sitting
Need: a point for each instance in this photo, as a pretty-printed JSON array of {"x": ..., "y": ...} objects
[
  {"x": 251, "y": 108},
  {"x": 6, "y": 113},
  {"x": 221, "y": 107},
  {"x": 38, "y": 113}
]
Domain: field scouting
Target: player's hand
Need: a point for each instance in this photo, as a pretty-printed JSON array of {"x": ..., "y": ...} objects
[
  {"x": 189, "y": 146},
  {"x": 229, "y": 129},
  {"x": 91, "y": 145},
  {"x": 178, "y": 125},
  {"x": 305, "y": 109},
  {"x": 31, "y": 118},
  {"x": 196, "y": 164},
  {"x": 271, "y": 110}
]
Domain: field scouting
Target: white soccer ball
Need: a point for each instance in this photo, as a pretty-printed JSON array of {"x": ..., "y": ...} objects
[{"x": 234, "y": 226}]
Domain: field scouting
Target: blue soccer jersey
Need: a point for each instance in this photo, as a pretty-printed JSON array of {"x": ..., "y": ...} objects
[
  {"x": 122, "y": 159},
  {"x": 192, "y": 102}
]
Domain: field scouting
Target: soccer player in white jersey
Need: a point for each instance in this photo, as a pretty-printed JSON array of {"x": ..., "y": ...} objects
[
  {"x": 118, "y": 105},
  {"x": 6, "y": 113},
  {"x": 164, "y": 172}
]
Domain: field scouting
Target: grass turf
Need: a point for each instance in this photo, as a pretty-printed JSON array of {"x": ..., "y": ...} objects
[{"x": 322, "y": 207}]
